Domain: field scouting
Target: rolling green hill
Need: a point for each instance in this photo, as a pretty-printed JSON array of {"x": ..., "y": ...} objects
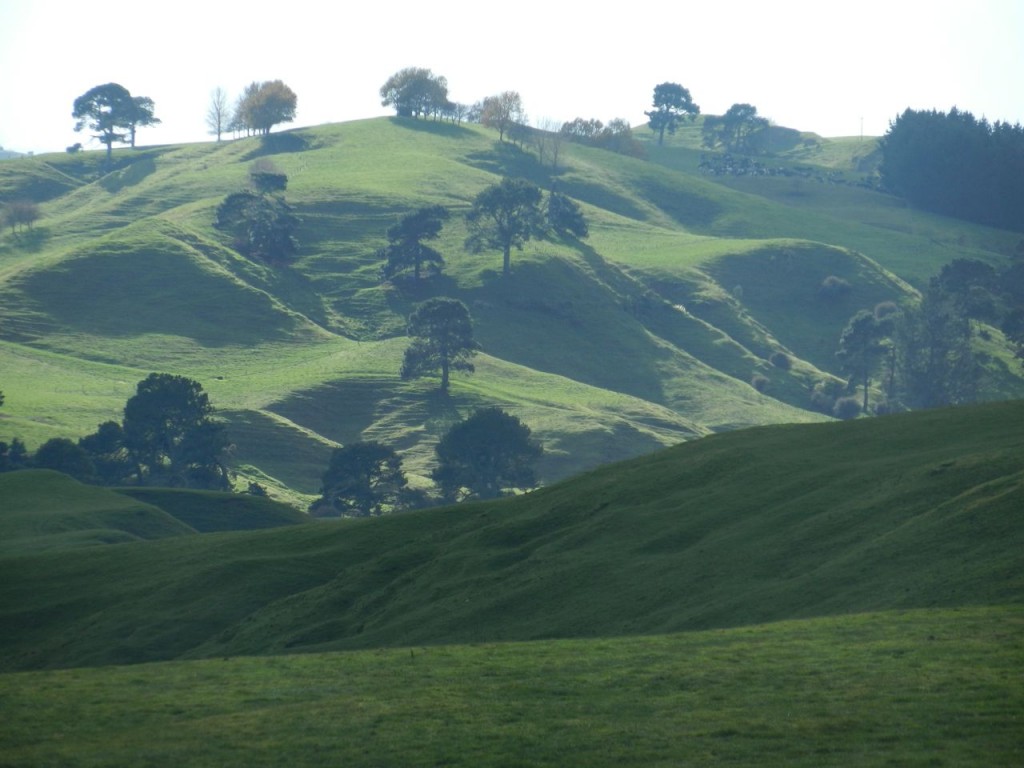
[
  {"x": 912, "y": 511},
  {"x": 688, "y": 283}
]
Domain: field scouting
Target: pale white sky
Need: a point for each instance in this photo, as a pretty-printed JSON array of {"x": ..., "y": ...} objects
[{"x": 815, "y": 65}]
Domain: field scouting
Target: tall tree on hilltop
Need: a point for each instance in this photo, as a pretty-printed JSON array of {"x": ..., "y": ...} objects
[
  {"x": 672, "y": 104},
  {"x": 264, "y": 105},
  {"x": 218, "y": 116},
  {"x": 140, "y": 115},
  {"x": 107, "y": 110},
  {"x": 503, "y": 112},
  {"x": 415, "y": 92},
  {"x": 442, "y": 332},
  {"x": 503, "y": 216},
  {"x": 740, "y": 129}
]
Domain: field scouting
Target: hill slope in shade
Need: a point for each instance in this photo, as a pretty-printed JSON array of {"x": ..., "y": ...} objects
[{"x": 920, "y": 510}]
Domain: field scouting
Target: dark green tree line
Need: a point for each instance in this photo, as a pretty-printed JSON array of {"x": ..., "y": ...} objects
[{"x": 954, "y": 164}]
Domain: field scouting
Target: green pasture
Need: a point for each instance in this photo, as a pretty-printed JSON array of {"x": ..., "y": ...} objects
[
  {"x": 688, "y": 283},
  {"x": 923, "y": 687},
  {"x": 734, "y": 529}
]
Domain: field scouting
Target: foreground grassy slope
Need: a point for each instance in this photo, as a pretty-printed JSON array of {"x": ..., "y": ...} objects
[
  {"x": 925, "y": 687},
  {"x": 760, "y": 525},
  {"x": 688, "y": 285}
]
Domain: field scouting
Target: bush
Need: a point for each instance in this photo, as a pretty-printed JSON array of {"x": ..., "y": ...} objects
[
  {"x": 833, "y": 287},
  {"x": 846, "y": 408},
  {"x": 759, "y": 382},
  {"x": 781, "y": 361}
]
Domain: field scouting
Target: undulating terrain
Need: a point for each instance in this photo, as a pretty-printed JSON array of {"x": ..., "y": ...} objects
[{"x": 714, "y": 572}]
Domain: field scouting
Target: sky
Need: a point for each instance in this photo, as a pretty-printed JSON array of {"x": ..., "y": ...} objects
[{"x": 837, "y": 69}]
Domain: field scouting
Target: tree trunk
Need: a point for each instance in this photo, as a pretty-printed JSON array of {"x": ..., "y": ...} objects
[
  {"x": 444, "y": 374},
  {"x": 506, "y": 265}
]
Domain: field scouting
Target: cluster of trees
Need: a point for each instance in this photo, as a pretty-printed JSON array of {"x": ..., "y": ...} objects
[
  {"x": 954, "y": 164},
  {"x": 113, "y": 113},
  {"x": 923, "y": 355},
  {"x": 259, "y": 220},
  {"x": 259, "y": 108},
  {"x": 616, "y": 136},
  {"x": 488, "y": 455},
  {"x": 739, "y": 130},
  {"x": 503, "y": 216},
  {"x": 168, "y": 437}
]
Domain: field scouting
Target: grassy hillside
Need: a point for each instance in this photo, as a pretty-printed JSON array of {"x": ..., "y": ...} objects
[
  {"x": 926, "y": 687},
  {"x": 741, "y": 528},
  {"x": 645, "y": 335},
  {"x": 46, "y": 510}
]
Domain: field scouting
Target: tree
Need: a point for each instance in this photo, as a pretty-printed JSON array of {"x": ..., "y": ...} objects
[
  {"x": 415, "y": 92},
  {"x": 14, "y": 456},
  {"x": 106, "y": 449},
  {"x": 140, "y": 114},
  {"x": 171, "y": 437},
  {"x": 217, "y": 115},
  {"x": 262, "y": 226},
  {"x": 565, "y": 217},
  {"x": 405, "y": 248},
  {"x": 264, "y": 105},
  {"x": 107, "y": 110},
  {"x": 486, "y": 456},
  {"x": 503, "y": 216},
  {"x": 860, "y": 346},
  {"x": 20, "y": 214},
  {"x": 442, "y": 332},
  {"x": 363, "y": 480},
  {"x": 936, "y": 365},
  {"x": 64, "y": 455},
  {"x": 672, "y": 104},
  {"x": 502, "y": 112},
  {"x": 740, "y": 129}
]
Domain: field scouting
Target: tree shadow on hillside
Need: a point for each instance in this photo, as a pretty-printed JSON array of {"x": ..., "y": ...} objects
[
  {"x": 32, "y": 240},
  {"x": 435, "y": 127},
  {"x": 128, "y": 176},
  {"x": 506, "y": 159},
  {"x": 279, "y": 144}
]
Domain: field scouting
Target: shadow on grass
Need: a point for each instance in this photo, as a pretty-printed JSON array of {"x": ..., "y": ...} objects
[{"x": 31, "y": 240}]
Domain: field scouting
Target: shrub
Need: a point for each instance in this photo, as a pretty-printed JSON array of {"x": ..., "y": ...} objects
[
  {"x": 759, "y": 382},
  {"x": 846, "y": 408},
  {"x": 833, "y": 287},
  {"x": 781, "y": 360}
]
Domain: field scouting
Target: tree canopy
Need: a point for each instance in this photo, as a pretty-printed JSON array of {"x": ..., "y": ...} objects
[
  {"x": 486, "y": 456},
  {"x": 416, "y": 92},
  {"x": 740, "y": 129},
  {"x": 113, "y": 114},
  {"x": 502, "y": 112},
  {"x": 405, "y": 249},
  {"x": 362, "y": 480},
  {"x": 442, "y": 332},
  {"x": 956, "y": 165},
  {"x": 672, "y": 104},
  {"x": 170, "y": 436},
  {"x": 264, "y": 105},
  {"x": 503, "y": 216}
]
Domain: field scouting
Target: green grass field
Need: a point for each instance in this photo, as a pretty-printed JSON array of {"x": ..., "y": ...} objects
[
  {"x": 689, "y": 283},
  {"x": 923, "y": 687}
]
